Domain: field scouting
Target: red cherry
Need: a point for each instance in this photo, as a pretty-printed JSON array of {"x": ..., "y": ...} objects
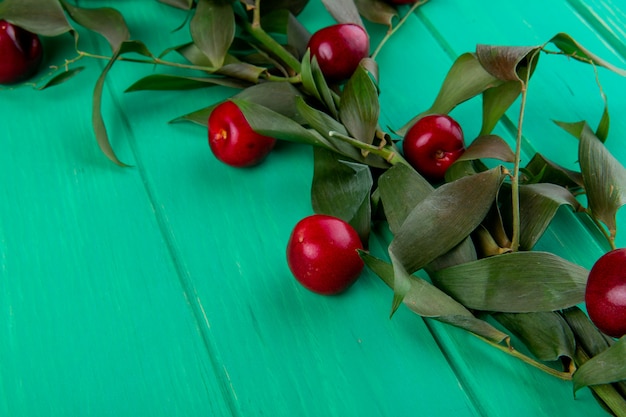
[
  {"x": 605, "y": 294},
  {"x": 322, "y": 254},
  {"x": 233, "y": 141},
  {"x": 433, "y": 144},
  {"x": 339, "y": 49},
  {"x": 21, "y": 53}
]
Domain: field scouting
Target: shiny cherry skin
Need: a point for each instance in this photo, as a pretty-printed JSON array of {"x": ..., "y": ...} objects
[
  {"x": 605, "y": 293},
  {"x": 322, "y": 254},
  {"x": 339, "y": 49},
  {"x": 21, "y": 53},
  {"x": 432, "y": 144},
  {"x": 232, "y": 139}
]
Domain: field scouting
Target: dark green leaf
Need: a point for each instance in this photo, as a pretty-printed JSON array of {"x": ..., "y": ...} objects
[
  {"x": 61, "y": 78},
  {"x": 518, "y": 282},
  {"x": 200, "y": 117},
  {"x": 213, "y": 29},
  {"x": 427, "y": 300},
  {"x": 466, "y": 79},
  {"x": 508, "y": 63},
  {"x": 496, "y": 101},
  {"x": 44, "y": 17},
  {"x": 343, "y": 11},
  {"x": 297, "y": 35},
  {"x": 488, "y": 146},
  {"x": 604, "y": 368},
  {"x": 538, "y": 206},
  {"x": 238, "y": 70},
  {"x": 270, "y": 123},
  {"x": 541, "y": 169},
  {"x": 342, "y": 189},
  {"x": 445, "y": 218},
  {"x": 106, "y": 21},
  {"x": 294, "y": 6},
  {"x": 359, "y": 108},
  {"x": 588, "y": 336},
  {"x": 377, "y": 11},
  {"x": 603, "y": 175},
  {"x": 167, "y": 82},
  {"x": 546, "y": 334},
  {"x": 572, "y": 48},
  {"x": 181, "y": 4}
]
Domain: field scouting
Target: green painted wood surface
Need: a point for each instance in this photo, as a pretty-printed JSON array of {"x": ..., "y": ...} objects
[{"x": 162, "y": 289}]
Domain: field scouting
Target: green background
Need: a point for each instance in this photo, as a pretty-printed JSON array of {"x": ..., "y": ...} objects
[{"x": 162, "y": 289}]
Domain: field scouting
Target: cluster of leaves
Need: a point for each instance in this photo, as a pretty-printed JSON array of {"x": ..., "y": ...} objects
[{"x": 473, "y": 236}]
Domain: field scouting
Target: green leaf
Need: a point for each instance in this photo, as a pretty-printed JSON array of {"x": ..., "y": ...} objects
[
  {"x": 445, "y": 218},
  {"x": 540, "y": 169},
  {"x": 342, "y": 189},
  {"x": 518, "y": 282},
  {"x": 99, "y": 127},
  {"x": 427, "y": 300},
  {"x": 401, "y": 189},
  {"x": 106, "y": 21},
  {"x": 466, "y": 79},
  {"x": 572, "y": 48},
  {"x": 496, "y": 101},
  {"x": 343, "y": 11},
  {"x": 538, "y": 206},
  {"x": 168, "y": 82},
  {"x": 488, "y": 146},
  {"x": 359, "y": 108},
  {"x": 604, "y": 178},
  {"x": 270, "y": 123},
  {"x": 44, "y": 17},
  {"x": 588, "y": 336},
  {"x": 294, "y": 6},
  {"x": 377, "y": 11},
  {"x": 61, "y": 78},
  {"x": 604, "y": 368},
  {"x": 199, "y": 117},
  {"x": 508, "y": 63},
  {"x": 213, "y": 29},
  {"x": 181, "y": 4},
  {"x": 545, "y": 333}
]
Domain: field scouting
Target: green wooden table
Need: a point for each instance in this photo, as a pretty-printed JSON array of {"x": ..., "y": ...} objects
[{"x": 162, "y": 289}]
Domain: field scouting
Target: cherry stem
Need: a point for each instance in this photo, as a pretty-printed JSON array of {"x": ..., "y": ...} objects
[
  {"x": 385, "y": 152},
  {"x": 392, "y": 30}
]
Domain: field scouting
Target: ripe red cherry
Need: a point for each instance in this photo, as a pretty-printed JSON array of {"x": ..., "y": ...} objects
[
  {"x": 233, "y": 141},
  {"x": 339, "y": 49},
  {"x": 21, "y": 53},
  {"x": 322, "y": 254},
  {"x": 432, "y": 144},
  {"x": 605, "y": 294}
]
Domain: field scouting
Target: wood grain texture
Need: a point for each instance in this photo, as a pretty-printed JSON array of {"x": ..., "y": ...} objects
[{"x": 162, "y": 289}]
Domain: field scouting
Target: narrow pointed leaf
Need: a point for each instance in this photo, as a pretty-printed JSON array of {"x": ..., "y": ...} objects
[
  {"x": 519, "y": 282},
  {"x": 488, "y": 146},
  {"x": 508, "y": 63},
  {"x": 377, "y": 11},
  {"x": 588, "y": 336},
  {"x": 359, "y": 109},
  {"x": 427, "y": 300},
  {"x": 546, "y": 334},
  {"x": 168, "y": 82},
  {"x": 61, "y": 78},
  {"x": 465, "y": 79},
  {"x": 572, "y": 48},
  {"x": 106, "y": 21},
  {"x": 542, "y": 169},
  {"x": 342, "y": 189},
  {"x": 44, "y": 17},
  {"x": 343, "y": 11},
  {"x": 496, "y": 101},
  {"x": 603, "y": 175},
  {"x": 539, "y": 204},
  {"x": 270, "y": 123},
  {"x": 450, "y": 213},
  {"x": 213, "y": 29},
  {"x": 604, "y": 368}
]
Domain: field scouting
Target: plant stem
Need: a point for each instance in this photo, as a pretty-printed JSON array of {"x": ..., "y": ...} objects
[
  {"x": 393, "y": 30},
  {"x": 606, "y": 392},
  {"x": 266, "y": 40},
  {"x": 566, "y": 376},
  {"x": 385, "y": 152}
]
